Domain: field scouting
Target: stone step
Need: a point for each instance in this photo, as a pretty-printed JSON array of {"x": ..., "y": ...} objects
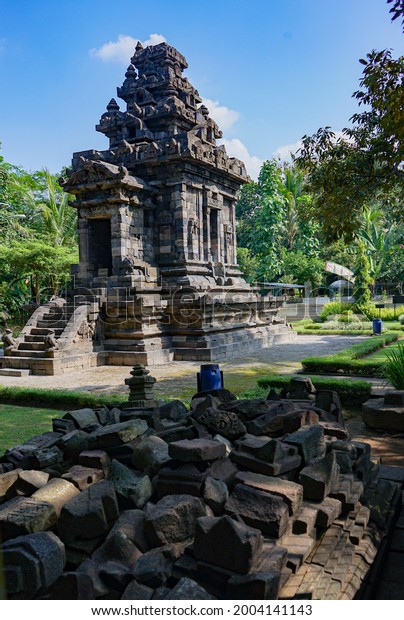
[
  {"x": 22, "y": 353},
  {"x": 54, "y": 317},
  {"x": 51, "y": 325},
  {"x": 31, "y": 346},
  {"x": 35, "y": 338},
  {"x": 37, "y": 365},
  {"x": 15, "y": 372},
  {"x": 43, "y": 331}
]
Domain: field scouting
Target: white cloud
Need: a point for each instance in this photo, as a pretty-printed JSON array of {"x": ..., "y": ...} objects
[
  {"x": 222, "y": 115},
  {"x": 154, "y": 39},
  {"x": 235, "y": 148},
  {"x": 123, "y": 48},
  {"x": 284, "y": 152}
]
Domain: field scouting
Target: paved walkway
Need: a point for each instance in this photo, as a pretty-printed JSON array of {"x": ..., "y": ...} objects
[
  {"x": 240, "y": 373},
  {"x": 178, "y": 380}
]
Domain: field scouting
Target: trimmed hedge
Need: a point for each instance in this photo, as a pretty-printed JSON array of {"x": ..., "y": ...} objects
[
  {"x": 57, "y": 399},
  {"x": 348, "y": 361},
  {"x": 338, "y": 307},
  {"x": 318, "y": 331},
  {"x": 351, "y": 391}
]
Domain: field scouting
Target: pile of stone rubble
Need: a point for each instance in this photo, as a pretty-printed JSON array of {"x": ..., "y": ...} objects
[{"x": 234, "y": 499}]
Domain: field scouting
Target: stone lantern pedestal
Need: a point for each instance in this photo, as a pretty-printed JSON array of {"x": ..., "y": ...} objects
[{"x": 141, "y": 388}]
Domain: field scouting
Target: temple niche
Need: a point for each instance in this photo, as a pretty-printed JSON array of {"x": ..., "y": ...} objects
[{"x": 157, "y": 277}]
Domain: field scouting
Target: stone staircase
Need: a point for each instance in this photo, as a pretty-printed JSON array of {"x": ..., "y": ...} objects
[{"x": 72, "y": 323}]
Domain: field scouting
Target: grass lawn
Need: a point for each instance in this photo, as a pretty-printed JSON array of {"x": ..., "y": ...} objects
[
  {"x": 18, "y": 424},
  {"x": 381, "y": 354}
]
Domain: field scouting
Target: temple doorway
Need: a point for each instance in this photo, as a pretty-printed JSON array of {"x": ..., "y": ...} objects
[{"x": 99, "y": 242}]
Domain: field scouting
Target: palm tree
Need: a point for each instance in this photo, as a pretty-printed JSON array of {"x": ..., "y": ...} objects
[
  {"x": 55, "y": 216},
  {"x": 293, "y": 182},
  {"x": 377, "y": 239}
]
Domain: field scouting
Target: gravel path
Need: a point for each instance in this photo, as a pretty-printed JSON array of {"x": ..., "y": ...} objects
[{"x": 282, "y": 358}]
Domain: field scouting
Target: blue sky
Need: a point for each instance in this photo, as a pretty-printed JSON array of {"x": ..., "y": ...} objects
[{"x": 271, "y": 70}]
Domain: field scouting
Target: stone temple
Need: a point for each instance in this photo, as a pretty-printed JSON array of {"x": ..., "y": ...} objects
[{"x": 158, "y": 278}]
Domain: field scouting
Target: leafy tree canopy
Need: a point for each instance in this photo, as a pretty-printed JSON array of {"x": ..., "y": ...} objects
[{"x": 366, "y": 162}]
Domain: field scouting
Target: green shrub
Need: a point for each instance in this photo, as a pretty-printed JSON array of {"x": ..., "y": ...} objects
[
  {"x": 258, "y": 392},
  {"x": 386, "y": 314},
  {"x": 393, "y": 368},
  {"x": 334, "y": 307},
  {"x": 351, "y": 391},
  {"x": 394, "y": 326},
  {"x": 401, "y": 319},
  {"x": 334, "y": 365},
  {"x": 348, "y": 361},
  {"x": 335, "y": 332},
  {"x": 58, "y": 399},
  {"x": 368, "y": 309}
]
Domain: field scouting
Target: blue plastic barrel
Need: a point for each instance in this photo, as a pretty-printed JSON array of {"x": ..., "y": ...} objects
[
  {"x": 377, "y": 326},
  {"x": 210, "y": 377}
]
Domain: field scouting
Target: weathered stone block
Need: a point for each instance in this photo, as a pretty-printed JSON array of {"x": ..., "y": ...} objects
[
  {"x": 96, "y": 459},
  {"x": 73, "y": 443},
  {"x": 259, "y": 509},
  {"x": 72, "y": 586},
  {"x": 130, "y": 526},
  {"x": 116, "y": 434},
  {"x": 388, "y": 416},
  {"x": 298, "y": 547},
  {"x": 136, "y": 591},
  {"x": 189, "y": 590},
  {"x": 6, "y": 481},
  {"x": 226, "y": 423},
  {"x": 172, "y": 519},
  {"x": 319, "y": 477},
  {"x": 301, "y": 388},
  {"x": 257, "y": 586},
  {"x": 133, "y": 489},
  {"x": 174, "y": 410},
  {"x": 196, "y": 450},
  {"x": 25, "y": 515},
  {"x": 250, "y": 409},
  {"x": 309, "y": 441},
  {"x": 90, "y": 514},
  {"x": 83, "y": 477},
  {"x": 215, "y": 494},
  {"x": 226, "y": 543},
  {"x": 264, "y": 456},
  {"x": 82, "y": 417},
  {"x": 305, "y": 520},
  {"x": 28, "y": 482},
  {"x": 57, "y": 492},
  {"x": 31, "y": 563},
  {"x": 186, "y": 479},
  {"x": 290, "y": 492},
  {"x": 151, "y": 454}
]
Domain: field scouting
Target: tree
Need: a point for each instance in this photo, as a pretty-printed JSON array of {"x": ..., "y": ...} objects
[
  {"x": 377, "y": 239},
  {"x": 361, "y": 289},
  {"x": 54, "y": 215},
  {"x": 38, "y": 259},
  {"x": 271, "y": 226},
  {"x": 15, "y": 196},
  {"x": 37, "y": 236},
  {"x": 299, "y": 268},
  {"x": 261, "y": 227},
  {"x": 397, "y": 10},
  {"x": 365, "y": 163}
]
